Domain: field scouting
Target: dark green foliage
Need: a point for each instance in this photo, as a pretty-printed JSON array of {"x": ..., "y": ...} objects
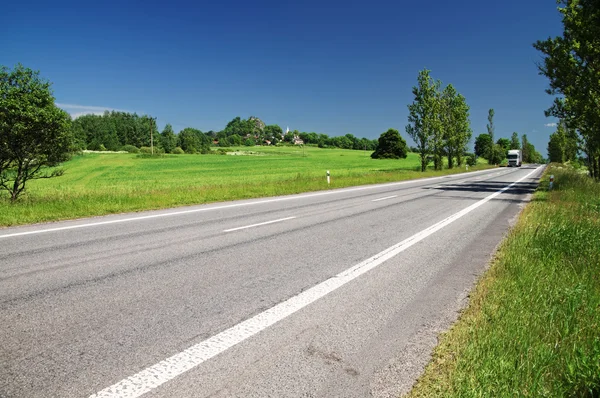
[
  {"x": 130, "y": 149},
  {"x": 168, "y": 139},
  {"x": 391, "y": 145},
  {"x": 483, "y": 145},
  {"x": 471, "y": 159},
  {"x": 34, "y": 133},
  {"x": 571, "y": 63},
  {"x": 113, "y": 130},
  {"x": 178, "y": 151},
  {"x": 514, "y": 141},
  {"x": 193, "y": 141}
]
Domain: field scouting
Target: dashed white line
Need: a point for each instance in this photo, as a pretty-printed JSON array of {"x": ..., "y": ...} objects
[
  {"x": 259, "y": 224},
  {"x": 387, "y": 197},
  {"x": 170, "y": 368},
  {"x": 228, "y": 206}
]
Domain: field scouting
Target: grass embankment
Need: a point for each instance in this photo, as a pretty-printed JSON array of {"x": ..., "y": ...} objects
[
  {"x": 533, "y": 324},
  {"x": 98, "y": 184}
]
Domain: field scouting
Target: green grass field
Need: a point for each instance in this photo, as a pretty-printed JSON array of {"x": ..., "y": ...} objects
[
  {"x": 105, "y": 183},
  {"x": 532, "y": 328}
]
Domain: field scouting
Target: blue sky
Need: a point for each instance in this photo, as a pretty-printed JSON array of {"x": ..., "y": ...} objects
[{"x": 332, "y": 67}]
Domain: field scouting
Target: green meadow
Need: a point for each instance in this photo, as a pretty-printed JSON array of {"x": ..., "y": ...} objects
[{"x": 106, "y": 183}]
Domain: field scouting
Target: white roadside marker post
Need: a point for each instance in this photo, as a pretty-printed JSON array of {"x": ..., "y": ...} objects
[{"x": 328, "y": 178}]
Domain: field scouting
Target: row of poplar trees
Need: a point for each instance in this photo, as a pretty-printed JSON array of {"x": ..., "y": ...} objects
[
  {"x": 572, "y": 64},
  {"x": 438, "y": 122}
]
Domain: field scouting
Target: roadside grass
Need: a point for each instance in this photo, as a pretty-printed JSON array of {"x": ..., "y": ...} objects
[
  {"x": 532, "y": 327},
  {"x": 105, "y": 183}
]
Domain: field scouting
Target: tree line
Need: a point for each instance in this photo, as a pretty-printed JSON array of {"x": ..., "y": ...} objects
[
  {"x": 123, "y": 131},
  {"x": 438, "y": 122},
  {"x": 572, "y": 65}
]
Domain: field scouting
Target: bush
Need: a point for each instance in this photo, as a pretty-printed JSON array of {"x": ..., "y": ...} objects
[
  {"x": 130, "y": 149},
  {"x": 102, "y": 148},
  {"x": 177, "y": 151},
  {"x": 471, "y": 160},
  {"x": 148, "y": 150}
]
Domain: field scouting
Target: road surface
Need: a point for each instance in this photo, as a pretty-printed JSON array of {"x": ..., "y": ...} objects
[{"x": 334, "y": 293}]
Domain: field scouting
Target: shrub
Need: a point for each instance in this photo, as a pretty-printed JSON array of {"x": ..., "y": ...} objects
[
  {"x": 130, "y": 148},
  {"x": 177, "y": 151},
  {"x": 471, "y": 160},
  {"x": 102, "y": 148},
  {"x": 148, "y": 150}
]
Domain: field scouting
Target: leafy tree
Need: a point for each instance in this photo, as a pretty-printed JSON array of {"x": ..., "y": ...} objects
[
  {"x": 563, "y": 144},
  {"x": 492, "y": 156},
  {"x": 483, "y": 145},
  {"x": 390, "y": 145},
  {"x": 422, "y": 116},
  {"x": 235, "y": 140},
  {"x": 250, "y": 142},
  {"x": 273, "y": 131},
  {"x": 525, "y": 149},
  {"x": 514, "y": 141},
  {"x": 504, "y": 144},
  {"x": 34, "y": 133},
  {"x": 556, "y": 146},
  {"x": 571, "y": 63},
  {"x": 168, "y": 139},
  {"x": 193, "y": 141},
  {"x": 457, "y": 129}
]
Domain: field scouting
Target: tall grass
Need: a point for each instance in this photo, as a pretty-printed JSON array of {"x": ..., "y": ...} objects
[
  {"x": 97, "y": 184},
  {"x": 533, "y": 324}
]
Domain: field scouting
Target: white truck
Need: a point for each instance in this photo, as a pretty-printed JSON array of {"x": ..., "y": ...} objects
[{"x": 515, "y": 158}]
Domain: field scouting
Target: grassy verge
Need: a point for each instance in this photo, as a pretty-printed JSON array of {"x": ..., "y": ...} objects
[
  {"x": 106, "y": 183},
  {"x": 533, "y": 324}
]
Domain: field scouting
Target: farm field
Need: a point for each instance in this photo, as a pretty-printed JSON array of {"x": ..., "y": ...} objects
[{"x": 105, "y": 183}]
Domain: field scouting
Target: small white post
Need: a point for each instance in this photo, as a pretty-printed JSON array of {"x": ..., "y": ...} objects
[
  {"x": 551, "y": 182},
  {"x": 328, "y": 178},
  {"x": 467, "y": 166}
]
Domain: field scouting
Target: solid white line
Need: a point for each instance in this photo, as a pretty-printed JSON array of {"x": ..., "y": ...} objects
[
  {"x": 158, "y": 374},
  {"x": 259, "y": 224},
  {"x": 258, "y": 202},
  {"x": 387, "y": 197}
]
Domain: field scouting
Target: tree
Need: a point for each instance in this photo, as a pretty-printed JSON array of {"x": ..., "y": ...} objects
[
  {"x": 422, "y": 120},
  {"x": 563, "y": 144},
  {"x": 193, "y": 140},
  {"x": 168, "y": 139},
  {"x": 504, "y": 144},
  {"x": 556, "y": 147},
  {"x": 391, "y": 145},
  {"x": 456, "y": 125},
  {"x": 514, "y": 141},
  {"x": 525, "y": 149},
  {"x": 34, "y": 133},
  {"x": 572, "y": 64},
  {"x": 483, "y": 145},
  {"x": 492, "y": 156}
]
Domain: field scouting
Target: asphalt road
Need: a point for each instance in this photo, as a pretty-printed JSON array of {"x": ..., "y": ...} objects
[{"x": 336, "y": 293}]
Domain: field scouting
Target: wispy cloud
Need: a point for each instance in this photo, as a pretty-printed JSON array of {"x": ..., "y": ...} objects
[
  {"x": 79, "y": 110},
  {"x": 550, "y": 125}
]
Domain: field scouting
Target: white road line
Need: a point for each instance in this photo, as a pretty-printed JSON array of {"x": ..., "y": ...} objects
[
  {"x": 259, "y": 224},
  {"x": 387, "y": 197},
  {"x": 258, "y": 202},
  {"x": 168, "y": 369}
]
